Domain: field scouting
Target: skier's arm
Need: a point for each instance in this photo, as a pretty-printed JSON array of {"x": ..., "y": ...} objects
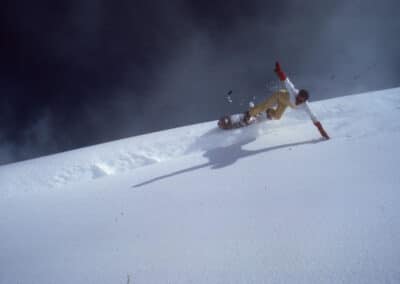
[
  {"x": 279, "y": 72},
  {"x": 288, "y": 84},
  {"x": 309, "y": 112},
  {"x": 293, "y": 92},
  {"x": 321, "y": 130},
  {"x": 315, "y": 121},
  {"x": 290, "y": 87}
]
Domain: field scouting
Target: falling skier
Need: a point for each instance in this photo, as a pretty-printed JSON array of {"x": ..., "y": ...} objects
[{"x": 289, "y": 97}]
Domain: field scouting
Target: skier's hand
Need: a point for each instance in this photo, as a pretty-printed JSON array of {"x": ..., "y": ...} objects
[
  {"x": 321, "y": 129},
  {"x": 279, "y": 72}
]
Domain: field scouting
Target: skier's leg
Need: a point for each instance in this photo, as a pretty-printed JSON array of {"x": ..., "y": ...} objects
[
  {"x": 268, "y": 103},
  {"x": 283, "y": 102},
  {"x": 277, "y": 114}
]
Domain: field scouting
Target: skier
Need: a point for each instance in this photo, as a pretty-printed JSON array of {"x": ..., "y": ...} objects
[{"x": 296, "y": 99}]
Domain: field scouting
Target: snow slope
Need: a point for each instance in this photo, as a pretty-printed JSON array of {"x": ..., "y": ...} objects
[{"x": 271, "y": 203}]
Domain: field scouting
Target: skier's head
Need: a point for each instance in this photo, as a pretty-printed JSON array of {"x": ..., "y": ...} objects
[{"x": 301, "y": 97}]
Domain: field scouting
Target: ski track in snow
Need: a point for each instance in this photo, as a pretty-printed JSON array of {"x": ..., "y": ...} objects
[{"x": 340, "y": 116}]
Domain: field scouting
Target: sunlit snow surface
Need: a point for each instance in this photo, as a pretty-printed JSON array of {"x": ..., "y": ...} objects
[{"x": 270, "y": 203}]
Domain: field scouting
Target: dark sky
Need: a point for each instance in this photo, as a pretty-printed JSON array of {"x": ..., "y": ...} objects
[{"x": 80, "y": 72}]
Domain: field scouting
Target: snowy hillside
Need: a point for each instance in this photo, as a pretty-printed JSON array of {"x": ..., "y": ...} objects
[{"x": 270, "y": 203}]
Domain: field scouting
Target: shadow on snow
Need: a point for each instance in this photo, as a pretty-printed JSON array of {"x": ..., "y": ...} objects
[{"x": 221, "y": 157}]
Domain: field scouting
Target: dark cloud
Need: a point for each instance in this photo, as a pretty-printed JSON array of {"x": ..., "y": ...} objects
[
  {"x": 332, "y": 49},
  {"x": 76, "y": 73}
]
